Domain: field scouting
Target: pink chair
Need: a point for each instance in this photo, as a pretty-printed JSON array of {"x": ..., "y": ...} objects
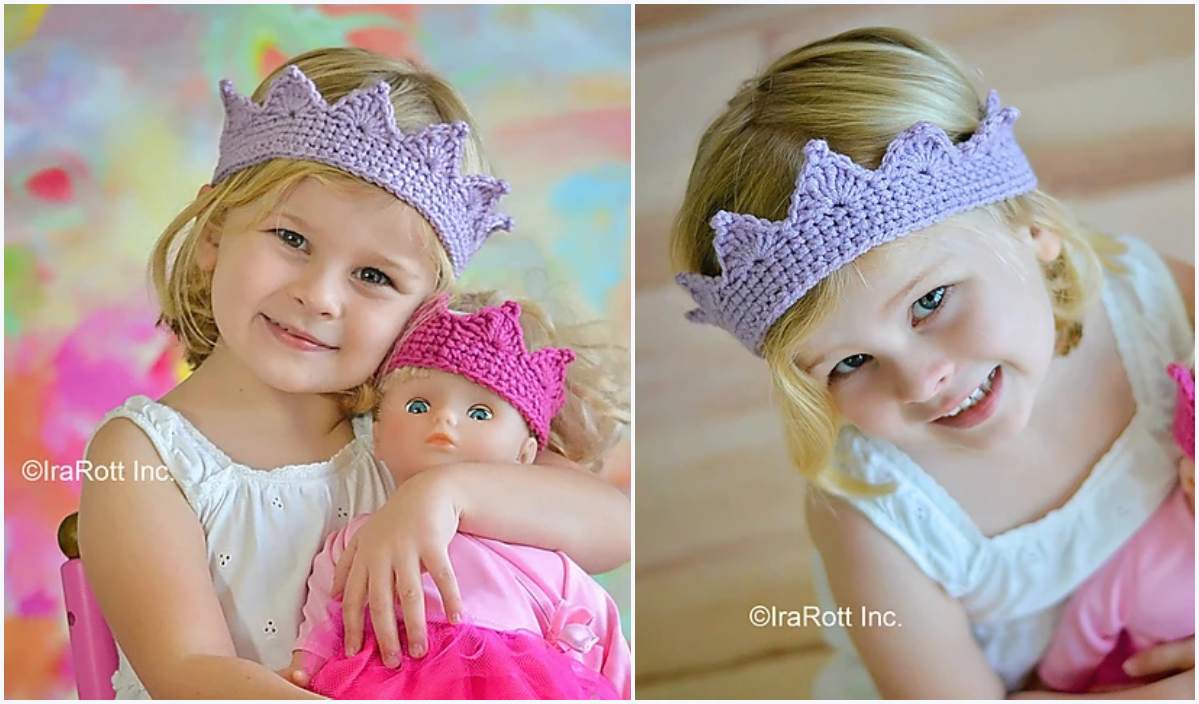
[{"x": 93, "y": 651}]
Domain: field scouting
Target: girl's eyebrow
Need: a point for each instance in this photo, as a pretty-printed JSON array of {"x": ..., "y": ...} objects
[
  {"x": 296, "y": 219},
  {"x": 894, "y": 301},
  {"x": 406, "y": 266},
  {"x": 906, "y": 291}
]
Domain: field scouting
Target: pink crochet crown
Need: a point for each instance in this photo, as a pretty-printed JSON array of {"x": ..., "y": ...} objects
[
  {"x": 488, "y": 347},
  {"x": 358, "y": 134},
  {"x": 1184, "y": 411},
  {"x": 839, "y": 210}
]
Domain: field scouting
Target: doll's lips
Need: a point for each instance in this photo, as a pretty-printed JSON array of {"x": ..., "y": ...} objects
[{"x": 440, "y": 440}]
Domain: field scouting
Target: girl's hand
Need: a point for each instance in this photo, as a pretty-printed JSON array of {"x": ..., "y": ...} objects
[
  {"x": 411, "y": 533},
  {"x": 1164, "y": 659}
]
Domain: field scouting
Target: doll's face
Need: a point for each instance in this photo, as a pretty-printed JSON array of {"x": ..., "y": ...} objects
[{"x": 430, "y": 418}]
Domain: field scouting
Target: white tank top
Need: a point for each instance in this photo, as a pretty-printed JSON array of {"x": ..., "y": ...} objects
[
  {"x": 262, "y": 528},
  {"x": 1012, "y": 585}
]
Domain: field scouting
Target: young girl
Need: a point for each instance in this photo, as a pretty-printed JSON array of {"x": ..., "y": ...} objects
[
  {"x": 464, "y": 388},
  {"x": 978, "y": 406},
  {"x": 347, "y": 191}
]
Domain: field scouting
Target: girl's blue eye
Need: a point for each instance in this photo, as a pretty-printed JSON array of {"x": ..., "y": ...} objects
[
  {"x": 292, "y": 239},
  {"x": 417, "y": 406},
  {"x": 849, "y": 364},
  {"x": 479, "y": 412},
  {"x": 929, "y": 303},
  {"x": 372, "y": 275}
]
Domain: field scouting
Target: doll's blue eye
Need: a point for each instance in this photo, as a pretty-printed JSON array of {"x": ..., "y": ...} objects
[
  {"x": 479, "y": 412},
  {"x": 417, "y": 406}
]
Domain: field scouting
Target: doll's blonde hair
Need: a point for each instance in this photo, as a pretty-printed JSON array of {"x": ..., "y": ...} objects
[
  {"x": 857, "y": 90},
  {"x": 184, "y": 291},
  {"x": 597, "y": 405}
]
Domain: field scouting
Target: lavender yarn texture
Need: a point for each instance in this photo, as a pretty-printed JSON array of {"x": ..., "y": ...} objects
[
  {"x": 358, "y": 134},
  {"x": 840, "y": 210}
]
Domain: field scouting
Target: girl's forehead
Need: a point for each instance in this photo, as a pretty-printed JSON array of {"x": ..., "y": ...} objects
[{"x": 884, "y": 282}]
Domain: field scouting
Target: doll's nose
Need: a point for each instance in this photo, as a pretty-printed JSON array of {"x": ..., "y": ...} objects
[{"x": 445, "y": 417}]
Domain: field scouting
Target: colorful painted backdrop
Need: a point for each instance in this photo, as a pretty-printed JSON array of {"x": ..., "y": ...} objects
[{"x": 111, "y": 125}]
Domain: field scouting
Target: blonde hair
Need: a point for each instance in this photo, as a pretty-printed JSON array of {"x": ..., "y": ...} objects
[
  {"x": 185, "y": 291},
  {"x": 597, "y": 406},
  {"x": 857, "y": 90}
]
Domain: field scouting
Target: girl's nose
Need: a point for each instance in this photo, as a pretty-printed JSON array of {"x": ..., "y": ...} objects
[
  {"x": 318, "y": 291},
  {"x": 923, "y": 379}
]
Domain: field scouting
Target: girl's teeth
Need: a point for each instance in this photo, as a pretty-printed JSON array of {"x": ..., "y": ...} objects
[{"x": 975, "y": 397}]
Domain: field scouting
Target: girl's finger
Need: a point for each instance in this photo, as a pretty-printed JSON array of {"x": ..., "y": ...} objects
[
  {"x": 383, "y": 615},
  {"x": 412, "y": 600},
  {"x": 353, "y": 608},
  {"x": 1161, "y": 659},
  {"x": 342, "y": 571},
  {"x": 442, "y": 572}
]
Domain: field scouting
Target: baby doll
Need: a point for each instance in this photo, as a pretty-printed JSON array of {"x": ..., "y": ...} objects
[
  {"x": 1145, "y": 594},
  {"x": 464, "y": 388}
]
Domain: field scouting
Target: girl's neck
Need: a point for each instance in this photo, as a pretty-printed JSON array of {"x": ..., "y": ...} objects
[{"x": 223, "y": 393}]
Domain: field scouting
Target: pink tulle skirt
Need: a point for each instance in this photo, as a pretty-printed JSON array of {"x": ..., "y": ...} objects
[{"x": 463, "y": 662}]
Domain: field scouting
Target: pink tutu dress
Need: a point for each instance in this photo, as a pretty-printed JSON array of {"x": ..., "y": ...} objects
[{"x": 536, "y": 626}]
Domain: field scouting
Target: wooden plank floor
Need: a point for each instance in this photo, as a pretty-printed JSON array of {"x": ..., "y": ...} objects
[{"x": 1108, "y": 122}]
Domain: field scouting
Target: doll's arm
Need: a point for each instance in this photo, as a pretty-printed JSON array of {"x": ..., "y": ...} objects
[
  {"x": 321, "y": 615},
  {"x": 145, "y": 558}
]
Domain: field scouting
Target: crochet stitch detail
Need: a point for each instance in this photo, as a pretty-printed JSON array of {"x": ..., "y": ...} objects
[
  {"x": 358, "y": 134},
  {"x": 488, "y": 347},
  {"x": 839, "y": 210}
]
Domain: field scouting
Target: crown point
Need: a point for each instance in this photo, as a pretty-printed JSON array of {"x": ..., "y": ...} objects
[{"x": 511, "y": 308}]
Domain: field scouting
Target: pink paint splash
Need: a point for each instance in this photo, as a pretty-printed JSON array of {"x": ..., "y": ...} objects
[
  {"x": 52, "y": 184},
  {"x": 112, "y": 354},
  {"x": 270, "y": 60},
  {"x": 388, "y": 42},
  {"x": 603, "y": 131}
]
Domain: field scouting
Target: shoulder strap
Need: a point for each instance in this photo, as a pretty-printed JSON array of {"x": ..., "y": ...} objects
[{"x": 180, "y": 454}]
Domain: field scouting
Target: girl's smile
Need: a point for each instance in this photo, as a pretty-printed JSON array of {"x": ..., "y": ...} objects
[
  {"x": 295, "y": 337},
  {"x": 978, "y": 406},
  {"x": 954, "y": 355}
]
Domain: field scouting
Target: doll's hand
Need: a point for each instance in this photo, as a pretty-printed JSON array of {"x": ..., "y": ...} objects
[
  {"x": 1163, "y": 659},
  {"x": 301, "y": 668},
  {"x": 410, "y": 533}
]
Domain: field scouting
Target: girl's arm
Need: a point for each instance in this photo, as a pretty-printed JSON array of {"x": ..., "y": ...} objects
[
  {"x": 144, "y": 555},
  {"x": 931, "y": 653},
  {"x": 549, "y": 507}
]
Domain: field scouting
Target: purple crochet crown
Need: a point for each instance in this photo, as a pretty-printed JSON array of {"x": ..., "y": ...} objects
[
  {"x": 358, "y": 134},
  {"x": 839, "y": 210}
]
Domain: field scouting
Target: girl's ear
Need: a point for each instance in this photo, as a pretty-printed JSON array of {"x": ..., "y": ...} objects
[
  {"x": 1046, "y": 243},
  {"x": 206, "y": 248},
  {"x": 528, "y": 451}
]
